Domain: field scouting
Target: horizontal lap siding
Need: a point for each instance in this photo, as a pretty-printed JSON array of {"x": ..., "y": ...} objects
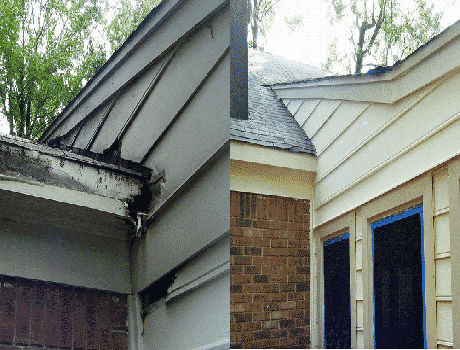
[
  {"x": 384, "y": 146},
  {"x": 49, "y": 315},
  {"x": 270, "y": 272}
]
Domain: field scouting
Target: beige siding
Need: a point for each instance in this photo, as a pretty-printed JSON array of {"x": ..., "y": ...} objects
[{"x": 379, "y": 146}]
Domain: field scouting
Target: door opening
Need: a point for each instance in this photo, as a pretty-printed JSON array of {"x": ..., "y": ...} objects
[
  {"x": 337, "y": 312},
  {"x": 399, "y": 311}
]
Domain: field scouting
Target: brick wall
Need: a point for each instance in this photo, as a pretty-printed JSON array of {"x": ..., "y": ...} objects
[
  {"x": 270, "y": 272},
  {"x": 38, "y": 315}
]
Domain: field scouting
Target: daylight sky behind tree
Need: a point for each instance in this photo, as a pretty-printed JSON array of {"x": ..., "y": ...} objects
[
  {"x": 308, "y": 44},
  {"x": 119, "y": 19}
]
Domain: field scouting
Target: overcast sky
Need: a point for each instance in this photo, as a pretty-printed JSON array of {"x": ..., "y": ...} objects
[{"x": 308, "y": 44}]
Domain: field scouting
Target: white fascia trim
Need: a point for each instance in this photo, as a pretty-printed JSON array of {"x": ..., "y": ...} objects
[
  {"x": 429, "y": 63},
  {"x": 270, "y": 156},
  {"x": 62, "y": 195}
]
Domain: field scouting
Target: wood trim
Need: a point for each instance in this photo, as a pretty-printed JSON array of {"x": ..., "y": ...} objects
[
  {"x": 418, "y": 191},
  {"x": 430, "y": 266},
  {"x": 345, "y": 223},
  {"x": 135, "y": 324},
  {"x": 454, "y": 223}
]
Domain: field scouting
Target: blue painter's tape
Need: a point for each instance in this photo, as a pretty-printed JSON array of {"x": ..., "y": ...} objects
[{"x": 337, "y": 239}]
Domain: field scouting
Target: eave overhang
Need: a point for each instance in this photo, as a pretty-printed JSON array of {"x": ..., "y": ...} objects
[
  {"x": 63, "y": 176},
  {"x": 436, "y": 59}
]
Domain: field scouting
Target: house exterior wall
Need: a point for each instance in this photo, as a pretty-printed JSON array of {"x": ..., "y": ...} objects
[
  {"x": 271, "y": 192},
  {"x": 165, "y": 95},
  {"x": 270, "y": 272},
  {"x": 64, "y": 255},
  {"x": 431, "y": 189},
  {"x": 385, "y": 143},
  {"x": 411, "y": 135}
]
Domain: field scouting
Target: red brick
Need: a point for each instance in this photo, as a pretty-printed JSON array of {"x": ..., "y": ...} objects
[
  {"x": 287, "y": 305},
  {"x": 261, "y": 208},
  {"x": 252, "y": 270},
  {"x": 296, "y": 278},
  {"x": 237, "y": 307},
  {"x": 294, "y": 243},
  {"x": 271, "y": 270},
  {"x": 270, "y": 307},
  {"x": 263, "y": 344},
  {"x": 302, "y": 321},
  {"x": 242, "y": 317},
  {"x": 253, "y": 288},
  {"x": 279, "y": 243},
  {"x": 303, "y": 269},
  {"x": 253, "y": 307},
  {"x": 305, "y": 243},
  {"x": 301, "y": 235},
  {"x": 261, "y": 297},
  {"x": 295, "y": 226},
  {"x": 303, "y": 304},
  {"x": 241, "y": 241},
  {"x": 287, "y": 287},
  {"x": 296, "y": 296},
  {"x": 261, "y": 224},
  {"x": 241, "y": 298},
  {"x": 252, "y": 251},
  {"x": 271, "y": 234},
  {"x": 278, "y": 278},
  {"x": 235, "y": 327},
  {"x": 237, "y": 270},
  {"x": 295, "y": 314},
  {"x": 261, "y": 316},
  {"x": 294, "y": 261},
  {"x": 279, "y": 333},
  {"x": 278, "y": 225},
  {"x": 270, "y": 288},
  {"x": 270, "y": 324},
  {"x": 241, "y": 260},
  {"x": 278, "y": 297},
  {"x": 236, "y": 336},
  {"x": 278, "y": 261},
  {"x": 260, "y": 260},
  {"x": 251, "y": 326},
  {"x": 236, "y": 250},
  {"x": 240, "y": 279},
  {"x": 262, "y": 242},
  {"x": 234, "y": 203}
]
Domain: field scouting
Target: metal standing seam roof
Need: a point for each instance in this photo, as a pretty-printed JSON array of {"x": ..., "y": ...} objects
[{"x": 269, "y": 121}]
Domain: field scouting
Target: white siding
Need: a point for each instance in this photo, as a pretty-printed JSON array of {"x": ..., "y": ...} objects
[{"x": 66, "y": 256}]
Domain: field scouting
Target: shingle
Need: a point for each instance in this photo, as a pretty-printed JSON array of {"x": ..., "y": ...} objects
[{"x": 270, "y": 123}]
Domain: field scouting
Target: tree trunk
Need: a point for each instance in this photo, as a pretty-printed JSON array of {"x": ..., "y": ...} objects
[
  {"x": 359, "y": 49},
  {"x": 255, "y": 23}
]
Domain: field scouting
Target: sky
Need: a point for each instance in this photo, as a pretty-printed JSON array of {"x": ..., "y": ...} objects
[{"x": 309, "y": 43}]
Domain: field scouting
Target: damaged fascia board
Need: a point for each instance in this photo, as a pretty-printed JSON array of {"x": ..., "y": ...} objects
[{"x": 41, "y": 171}]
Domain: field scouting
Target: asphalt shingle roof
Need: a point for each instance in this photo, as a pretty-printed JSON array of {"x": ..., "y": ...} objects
[{"x": 269, "y": 122}]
